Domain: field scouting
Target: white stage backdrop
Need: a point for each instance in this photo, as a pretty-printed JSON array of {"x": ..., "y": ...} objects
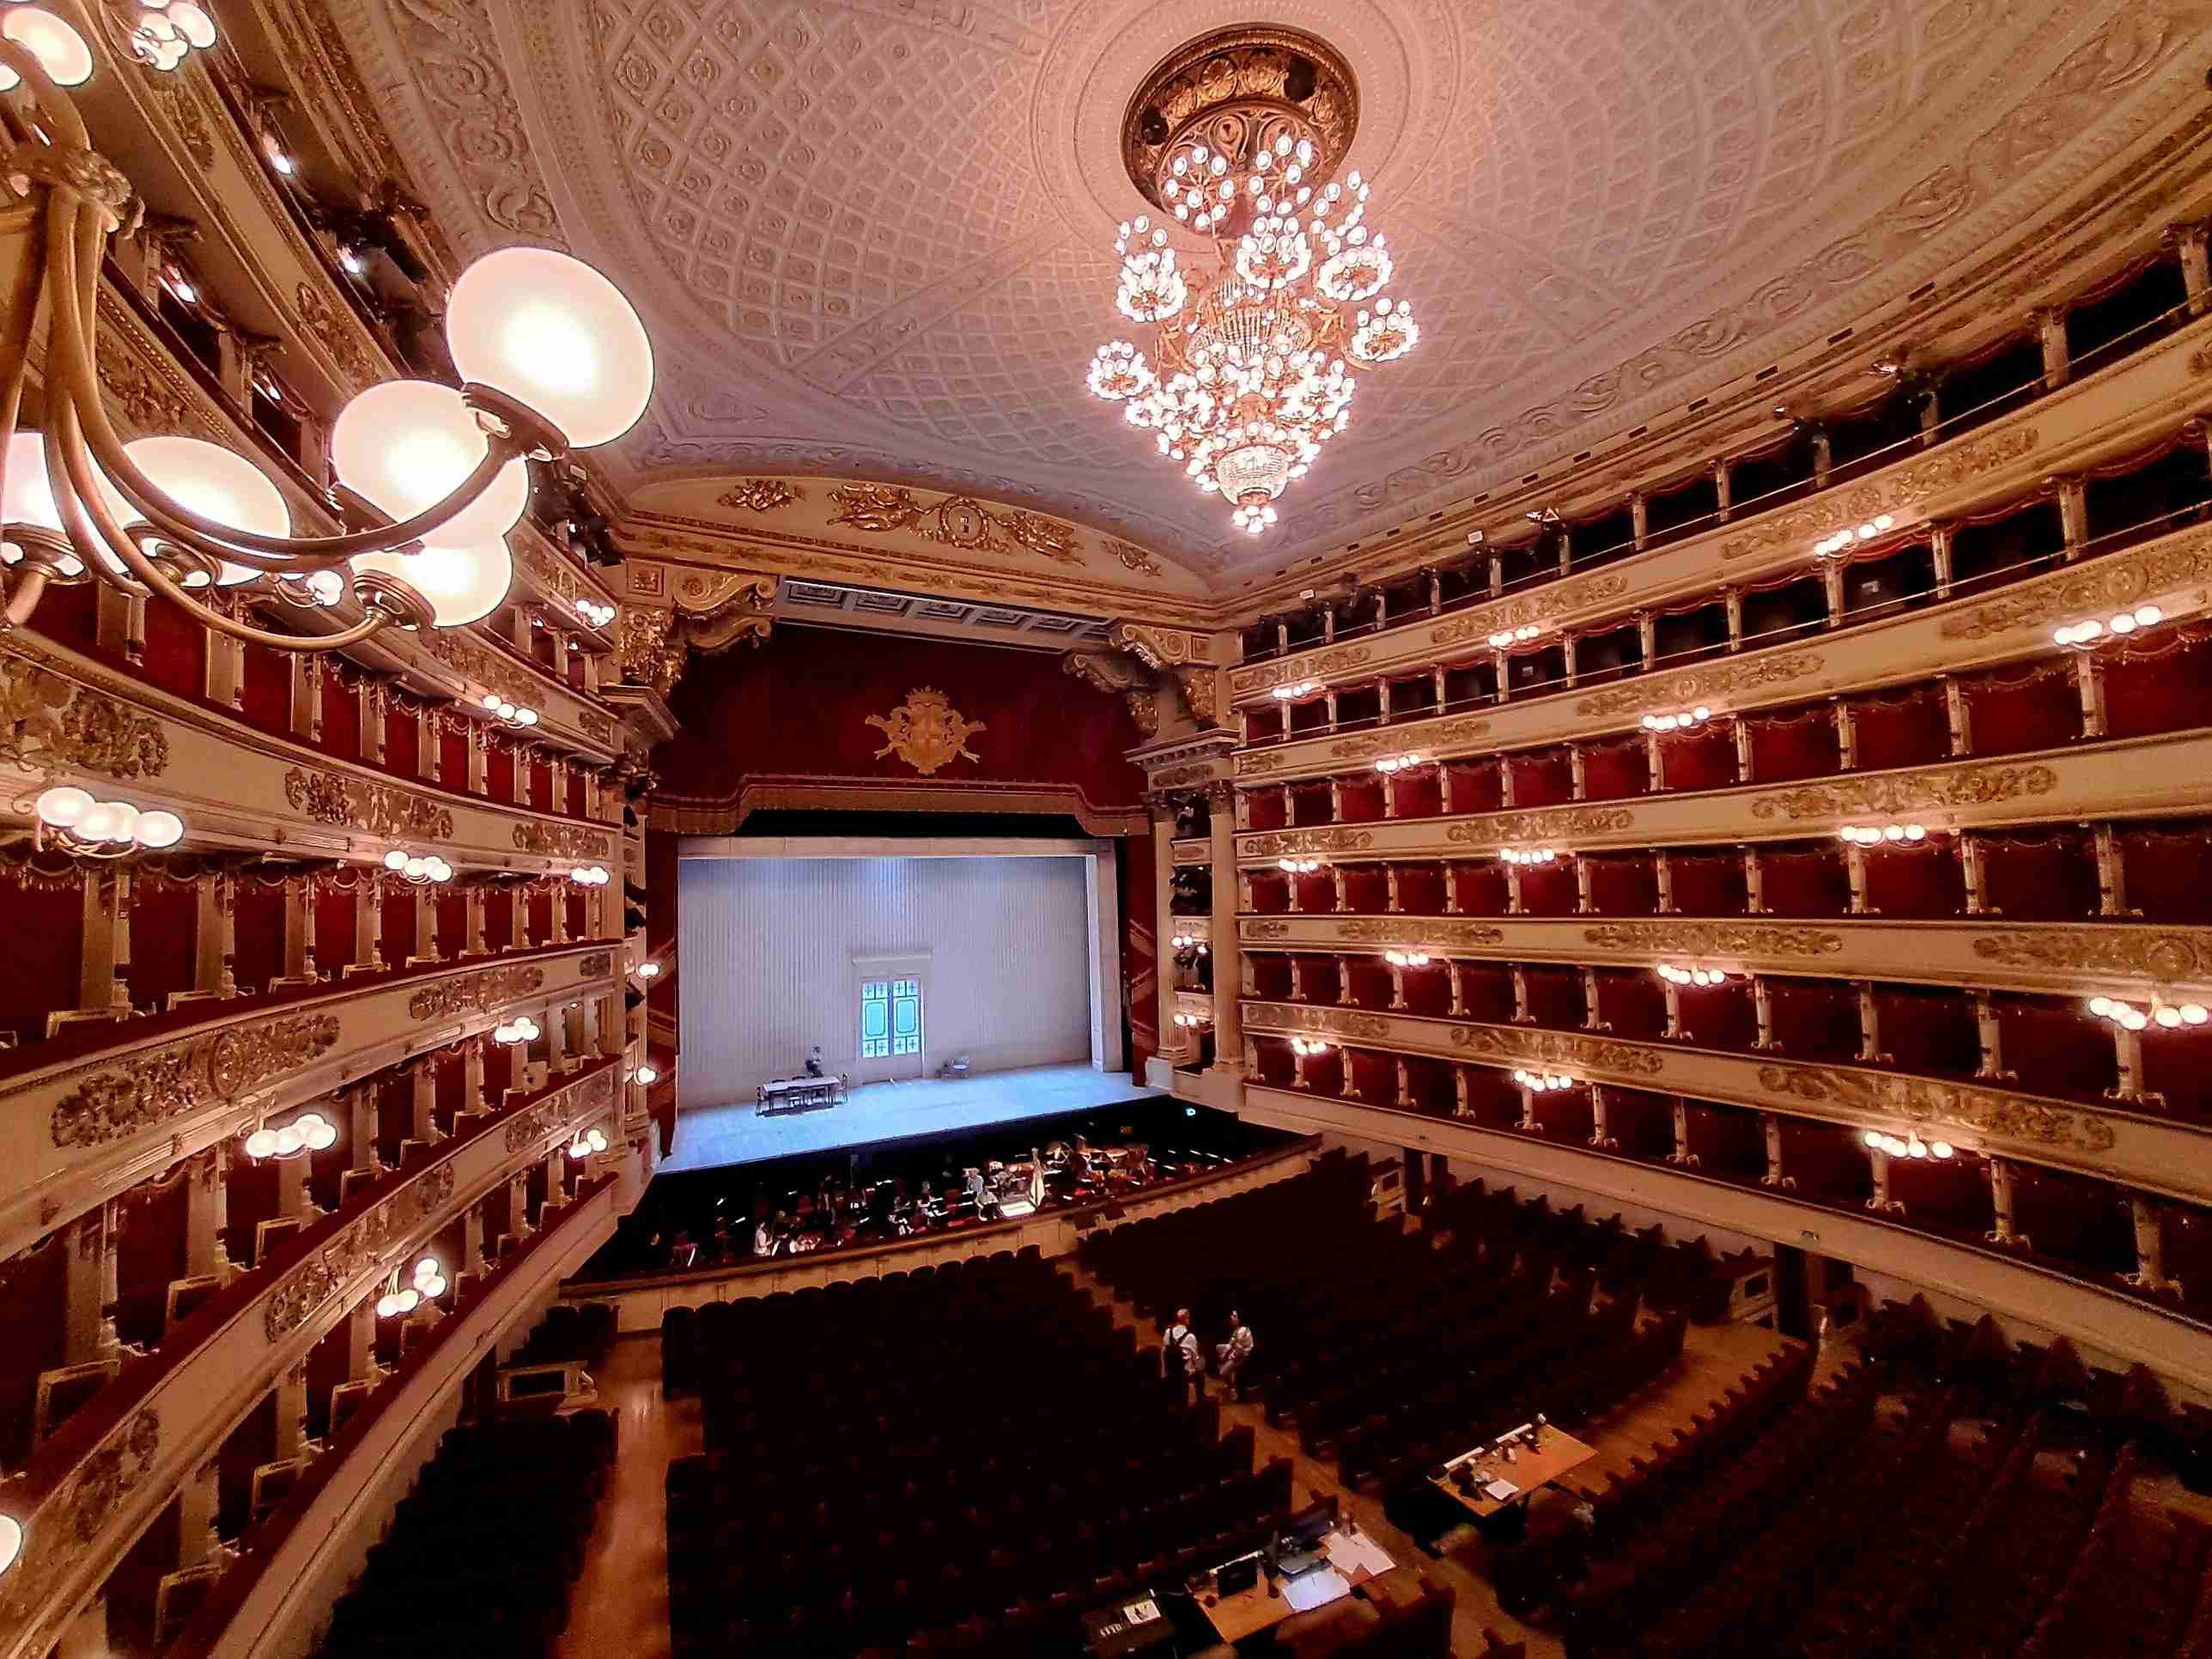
[{"x": 767, "y": 946}]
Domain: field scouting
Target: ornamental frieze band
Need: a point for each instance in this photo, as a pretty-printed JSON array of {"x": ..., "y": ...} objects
[
  {"x": 1332, "y": 1022},
  {"x": 1540, "y": 607},
  {"x": 2167, "y": 955},
  {"x": 354, "y": 804},
  {"x": 181, "y": 1077},
  {"x": 1369, "y": 745},
  {"x": 1463, "y": 935},
  {"x": 1714, "y": 939},
  {"x": 1908, "y": 792},
  {"x": 359, "y": 1249},
  {"x": 1289, "y": 842},
  {"x": 471, "y": 992},
  {"x": 1684, "y": 690},
  {"x": 1499, "y": 828},
  {"x": 1557, "y": 1048},
  {"x": 1927, "y": 1100},
  {"x": 559, "y": 841},
  {"x": 2121, "y": 581}
]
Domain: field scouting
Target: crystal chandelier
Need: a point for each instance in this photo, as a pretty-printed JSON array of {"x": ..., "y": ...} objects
[{"x": 1254, "y": 351}]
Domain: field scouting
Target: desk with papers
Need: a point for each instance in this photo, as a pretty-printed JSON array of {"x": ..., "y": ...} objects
[
  {"x": 1540, "y": 1456},
  {"x": 1352, "y": 1559}
]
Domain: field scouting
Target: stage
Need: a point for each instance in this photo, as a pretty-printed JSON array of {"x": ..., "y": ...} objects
[{"x": 711, "y": 1137}]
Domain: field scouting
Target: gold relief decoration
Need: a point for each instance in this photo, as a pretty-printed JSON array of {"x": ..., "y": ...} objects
[
  {"x": 1388, "y": 741},
  {"x": 359, "y": 1249},
  {"x": 48, "y": 721},
  {"x": 1685, "y": 690},
  {"x": 954, "y": 521},
  {"x": 1284, "y": 670},
  {"x": 759, "y": 495},
  {"x": 1285, "y": 843},
  {"x": 1157, "y": 647},
  {"x": 1108, "y": 671},
  {"x": 2168, "y": 955},
  {"x": 1499, "y": 828},
  {"x": 649, "y": 656},
  {"x": 71, "y": 1520},
  {"x": 1714, "y": 939},
  {"x": 1197, "y": 685},
  {"x": 561, "y": 841},
  {"x": 320, "y": 321},
  {"x": 1144, "y": 712},
  {"x": 1932, "y": 1101},
  {"x": 553, "y": 1116},
  {"x": 1540, "y": 607},
  {"x": 145, "y": 399},
  {"x": 1331, "y": 1022},
  {"x": 469, "y": 993},
  {"x": 926, "y": 731},
  {"x": 1983, "y": 785},
  {"x": 188, "y": 1076},
  {"x": 1132, "y": 557},
  {"x": 1194, "y": 852},
  {"x": 1906, "y": 487},
  {"x": 1253, "y": 766},
  {"x": 2200, "y": 361},
  {"x": 173, "y": 96},
  {"x": 1256, "y": 928},
  {"x": 597, "y": 727},
  {"x": 353, "y": 803},
  {"x": 2116, "y": 582},
  {"x": 1182, "y": 777},
  {"x": 595, "y": 966},
  {"x": 1454, "y": 935},
  {"x": 1510, "y": 1043}
]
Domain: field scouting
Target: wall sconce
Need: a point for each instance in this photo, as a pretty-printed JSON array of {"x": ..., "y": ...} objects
[
  {"x": 521, "y": 1028},
  {"x": 1543, "y": 1082},
  {"x": 595, "y": 613},
  {"x": 1192, "y": 1022},
  {"x": 1910, "y": 1146},
  {"x": 590, "y": 1141},
  {"x": 418, "y": 872},
  {"x": 1868, "y": 834},
  {"x": 1391, "y": 763},
  {"x": 427, "y": 1285},
  {"x": 510, "y": 714},
  {"x": 1531, "y": 854},
  {"x": 1406, "y": 958},
  {"x": 1519, "y": 636},
  {"x": 1298, "y": 866},
  {"x": 310, "y": 1132},
  {"x": 1674, "y": 976},
  {"x": 11, "y": 1541},
  {"x": 649, "y": 970},
  {"x": 1291, "y": 693},
  {"x": 2083, "y": 634},
  {"x": 105, "y": 828},
  {"x": 2166, "y": 1015},
  {"x": 60, "y": 50},
  {"x": 590, "y": 875},
  {"x": 648, "y": 1075},
  {"x": 1697, "y": 716},
  {"x": 1829, "y": 546},
  {"x": 1308, "y": 1046}
]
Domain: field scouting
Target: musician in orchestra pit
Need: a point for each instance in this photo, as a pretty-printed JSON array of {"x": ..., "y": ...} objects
[{"x": 764, "y": 1235}]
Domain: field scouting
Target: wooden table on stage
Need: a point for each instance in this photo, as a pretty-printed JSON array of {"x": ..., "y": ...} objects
[
  {"x": 1560, "y": 1455},
  {"x": 1251, "y": 1611}
]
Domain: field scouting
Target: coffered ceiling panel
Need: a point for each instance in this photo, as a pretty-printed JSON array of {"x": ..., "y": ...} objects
[{"x": 874, "y": 238}]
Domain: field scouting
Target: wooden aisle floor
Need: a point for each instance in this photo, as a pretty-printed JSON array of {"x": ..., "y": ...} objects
[{"x": 620, "y": 1605}]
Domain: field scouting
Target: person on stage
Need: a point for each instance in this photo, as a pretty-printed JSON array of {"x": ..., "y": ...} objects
[{"x": 814, "y": 1061}]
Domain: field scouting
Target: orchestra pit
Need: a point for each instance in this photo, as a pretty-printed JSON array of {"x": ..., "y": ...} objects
[{"x": 1052, "y": 828}]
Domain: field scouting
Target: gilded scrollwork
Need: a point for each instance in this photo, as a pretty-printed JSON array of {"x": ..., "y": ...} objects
[
  {"x": 2102, "y": 585},
  {"x": 46, "y": 721},
  {"x": 1329, "y": 1022},
  {"x": 1935, "y": 787},
  {"x": 187, "y": 1076},
  {"x": 1543, "y": 825},
  {"x": 1541, "y": 606},
  {"x": 1685, "y": 690},
  {"x": 1131, "y": 557},
  {"x": 1290, "y": 843},
  {"x": 355, "y": 803},
  {"x": 926, "y": 731},
  {"x": 1507, "y": 1042},
  {"x": 2167, "y": 955},
  {"x": 1449, "y": 935},
  {"x": 1285, "y": 670},
  {"x": 1464, "y": 728},
  {"x": 1906, "y": 487},
  {"x": 561, "y": 841},
  {"x": 1932, "y": 1101},
  {"x": 958, "y": 521},
  {"x": 761, "y": 495},
  {"x": 359, "y": 1249},
  {"x": 1714, "y": 939},
  {"x": 468, "y": 992}
]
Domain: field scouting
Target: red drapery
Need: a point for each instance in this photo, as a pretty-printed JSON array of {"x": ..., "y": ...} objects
[
  {"x": 2164, "y": 869},
  {"x": 2158, "y": 684},
  {"x": 2176, "y": 1063},
  {"x": 2070, "y": 1219},
  {"x": 1366, "y": 888},
  {"x": 1927, "y": 1030},
  {"x": 2055, "y": 1048},
  {"x": 1477, "y": 786},
  {"x": 1815, "y": 1019},
  {"x": 149, "y": 1252},
  {"x": 1827, "y": 1161},
  {"x": 34, "y": 1319},
  {"x": 1493, "y": 1100},
  {"x": 1374, "y": 1076},
  {"x": 1949, "y": 1195},
  {"x": 1719, "y": 1016},
  {"x": 1707, "y": 883},
  {"x": 1544, "y": 777},
  {"x": 1614, "y": 770},
  {"x": 1703, "y": 759},
  {"x": 1564, "y": 1115},
  {"x": 1805, "y": 880},
  {"x": 1632, "y": 1002},
  {"x": 1916, "y": 881},
  {"x": 1906, "y": 729},
  {"x": 2044, "y": 875},
  {"x": 1481, "y": 888},
  {"x": 164, "y": 933},
  {"x": 1421, "y": 890},
  {"x": 1623, "y": 883},
  {"x": 1428, "y": 990},
  {"x": 1728, "y": 1141},
  {"x": 1555, "y": 996},
  {"x": 1643, "y": 1122},
  {"x": 1487, "y": 991},
  {"x": 1548, "y": 889},
  {"x": 1798, "y": 746},
  {"x": 2010, "y": 710}
]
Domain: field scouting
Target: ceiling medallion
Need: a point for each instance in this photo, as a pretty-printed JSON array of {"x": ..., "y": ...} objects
[{"x": 1236, "y": 137}]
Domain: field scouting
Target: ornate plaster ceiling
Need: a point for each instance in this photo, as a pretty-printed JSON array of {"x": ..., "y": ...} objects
[{"x": 873, "y": 239}]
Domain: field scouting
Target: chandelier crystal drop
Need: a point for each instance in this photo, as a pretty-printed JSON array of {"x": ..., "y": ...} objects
[{"x": 1257, "y": 346}]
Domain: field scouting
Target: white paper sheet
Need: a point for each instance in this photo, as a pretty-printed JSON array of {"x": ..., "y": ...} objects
[
  {"x": 1349, "y": 1552},
  {"x": 1501, "y": 1490},
  {"x": 1316, "y": 1588}
]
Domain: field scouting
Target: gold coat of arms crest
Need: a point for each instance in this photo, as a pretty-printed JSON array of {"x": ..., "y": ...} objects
[{"x": 926, "y": 731}]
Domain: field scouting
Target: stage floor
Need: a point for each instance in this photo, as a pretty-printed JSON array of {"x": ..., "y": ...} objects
[{"x": 710, "y": 1137}]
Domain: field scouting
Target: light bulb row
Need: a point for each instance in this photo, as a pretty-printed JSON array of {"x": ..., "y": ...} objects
[
  {"x": 1531, "y": 854},
  {"x": 310, "y": 1131},
  {"x": 2122, "y": 622},
  {"x": 1406, "y": 958},
  {"x": 1828, "y": 546},
  {"x": 2168, "y": 1015},
  {"x": 1674, "y": 976},
  {"x": 590, "y": 1141},
  {"x": 1519, "y": 636},
  {"x": 1191, "y": 1022},
  {"x": 1308, "y": 1046},
  {"x": 105, "y": 828},
  {"x": 510, "y": 714},
  {"x": 1298, "y": 866},
  {"x": 649, "y": 970},
  {"x": 1390, "y": 763},
  {"x": 590, "y": 875},
  {"x": 1296, "y": 690},
  {"x": 1907, "y": 1146},
  {"x": 422, "y": 870},
  {"x": 428, "y": 1284},
  {"x": 1542, "y": 1083},
  {"x": 521, "y": 1028},
  {"x": 1688, "y": 718},
  {"x": 1873, "y": 835},
  {"x": 595, "y": 613}
]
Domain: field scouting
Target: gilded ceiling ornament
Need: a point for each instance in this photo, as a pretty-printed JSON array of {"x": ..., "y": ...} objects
[
  {"x": 1889, "y": 492},
  {"x": 1133, "y": 557},
  {"x": 927, "y": 732},
  {"x": 2168, "y": 955},
  {"x": 47, "y": 721},
  {"x": 954, "y": 521},
  {"x": 354, "y": 803},
  {"x": 1106, "y": 670},
  {"x": 1497, "y": 829},
  {"x": 1158, "y": 647},
  {"x": 1540, "y": 607},
  {"x": 2118, "y": 580},
  {"x": 1982, "y": 785},
  {"x": 760, "y": 494},
  {"x": 1286, "y": 669},
  {"x": 1714, "y": 939},
  {"x": 1460, "y": 729},
  {"x": 1196, "y": 852},
  {"x": 1506, "y": 1043},
  {"x": 1927, "y": 1100},
  {"x": 468, "y": 992},
  {"x": 561, "y": 841},
  {"x": 1197, "y": 685},
  {"x": 187, "y": 1076},
  {"x": 1334, "y": 1022},
  {"x": 1285, "y": 843},
  {"x": 1456, "y": 935},
  {"x": 1750, "y": 674},
  {"x": 648, "y": 658}
]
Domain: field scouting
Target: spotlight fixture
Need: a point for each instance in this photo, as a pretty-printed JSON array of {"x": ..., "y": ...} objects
[
  {"x": 1298, "y": 866},
  {"x": 510, "y": 714},
  {"x": 590, "y": 875},
  {"x": 1519, "y": 636},
  {"x": 1869, "y": 835},
  {"x": 1406, "y": 958},
  {"x": 1909, "y": 1145},
  {"x": 1543, "y": 1082},
  {"x": 1531, "y": 854},
  {"x": 310, "y": 1131},
  {"x": 104, "y": 829},
  {"x": 1674, "y": 976},
  {"x": 1296, "y": 690},
  {"x": 1683, "y": 721},
  {"x": 1829, "y": 546},
  {"x": 521, "y": 1028},
  {"x": 2085, "y": 634},
  {"x": 421, "y": 872},
  {"x": 1308, "y": 1046},
  {"x": 1390, "y": 763}
]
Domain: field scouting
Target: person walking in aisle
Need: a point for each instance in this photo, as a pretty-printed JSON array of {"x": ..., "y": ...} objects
[
  {"x": 1229, "y": 1356},
  {"x": 1181, "y": 1356}
]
